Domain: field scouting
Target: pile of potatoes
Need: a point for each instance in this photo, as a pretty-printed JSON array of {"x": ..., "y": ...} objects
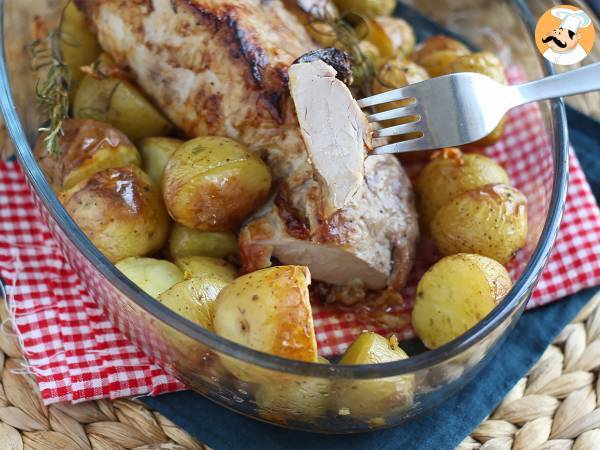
[
  {"x": 166, "y": 212},
  {"x": 479, "y": 222}
]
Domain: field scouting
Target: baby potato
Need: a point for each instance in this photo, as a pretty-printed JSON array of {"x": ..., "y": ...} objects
[
  {"x": 212, "y": 183},
  {"x": 449, "y": 173},
  {"x": 392, "y": 36},
  {"x": 438, "y": 63},
  {"x": 485, "y": 63},
  {"x": 367, "y": 8},
  {"x": 395, "y": 74},
  {"x": 438, "y": 43},
  {"x": 120, "y": 211},
  {"x": 194, "y": 299},
  {"x": 489, "y": 221},
  {"x": 78, "y": 44},
  {"x": 187, "y": 242},
  {"x": 297, "y": 398},
  {"x": 437, "y": 53},
  {"x": 377, "y": 397},
  {"x": 86, "y": 147},
  {"x": 153, "y": 276},
  {"x": 269, "y": 311},
  {"x": 119, "y": 102},
  {"x": 196, "y": 266},
  {"x": 456, "y": 293},
  {"x": 156, "y": 152}
]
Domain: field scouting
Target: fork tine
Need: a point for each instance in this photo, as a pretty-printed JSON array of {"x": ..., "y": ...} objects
[
  {"x": 396, "y": 113},
  {"x": 403, "y": 93},
  {"x": 398, "y": 129},
  {"x": 411, "y": 145}
]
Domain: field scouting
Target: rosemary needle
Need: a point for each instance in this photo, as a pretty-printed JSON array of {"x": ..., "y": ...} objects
[{"x": 53, "y": 92}]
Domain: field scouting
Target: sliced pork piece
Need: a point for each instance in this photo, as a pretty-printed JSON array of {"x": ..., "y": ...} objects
[
  {"x": 369, "y": 229},
  {"x": 371, "y": 240},
  {"x": 334, "y": 129}
]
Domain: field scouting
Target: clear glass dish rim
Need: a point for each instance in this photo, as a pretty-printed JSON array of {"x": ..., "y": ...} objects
[{"x": 516, "y": 298}]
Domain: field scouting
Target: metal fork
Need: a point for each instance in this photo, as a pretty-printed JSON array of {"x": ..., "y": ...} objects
[{"x": 460, "y": 108}]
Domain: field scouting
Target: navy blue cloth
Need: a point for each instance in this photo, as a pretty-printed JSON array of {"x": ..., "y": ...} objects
[{"x": 444, "y": 428}]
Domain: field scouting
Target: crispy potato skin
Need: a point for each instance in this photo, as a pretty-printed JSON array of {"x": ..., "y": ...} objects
[
  {"x": 116, "y": 100},
  {"x": 120, "y": 211},
  {"x": 377, "y": 397},
  {"x": 455, "y": 294},
  {"x": 450, "y": 173},
  {"x": 86, "y": 147},
  {"x": 213, "y": 183},
  {"x": 489, "y": 221},
  {"x": 153, "y": 276},
  {"x": 194, "y": 299},
  {"x": 156, "y": 152},
  {"x": 269, "y": 311}
]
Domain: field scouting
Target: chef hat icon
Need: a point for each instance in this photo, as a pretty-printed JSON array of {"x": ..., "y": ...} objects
[{"x": 572, "y": 19}]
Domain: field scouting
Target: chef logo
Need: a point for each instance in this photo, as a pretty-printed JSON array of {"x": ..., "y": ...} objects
[{"x": 564, "y": 35}]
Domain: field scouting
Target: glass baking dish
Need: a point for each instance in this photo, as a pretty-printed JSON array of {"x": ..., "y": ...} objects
[{"x": 307, "y": 396}]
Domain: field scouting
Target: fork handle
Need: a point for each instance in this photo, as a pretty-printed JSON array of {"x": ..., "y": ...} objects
[{"x": 577, "y": 81}]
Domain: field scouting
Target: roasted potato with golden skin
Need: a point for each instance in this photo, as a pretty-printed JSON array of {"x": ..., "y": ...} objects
[
  {"x": 489, "y": 221},
  {"x": 269, "y": 311},
  {"x": 184, "y": 241},
  {"x": 86, "y": 147},
  {"x": 449, "y": 173},
  {"x": 437, "y": 53},
  {"x": 485, "y": 63},
  {"x": 438, "y": 43},
  {"x": 369, "y": 8},
  {"x": 194, "y": 299},
  {"x": 377, "y": 397},
  {"x": 395, "y": 74},
  {"x": 120, "y": 210},
  {"x": 455, "y": 294},
  {"x": 392, "y": 36},
  {"x": 156, "y": 152},
  {"x": 297, "y": 398},
  {"x": 212, "y": 183},
  {"x": 153, "y": 276},
  {"x": 78, "y": 44},
  {"x": 116, "y": 100},
  {"x": 197, "y": 266}
]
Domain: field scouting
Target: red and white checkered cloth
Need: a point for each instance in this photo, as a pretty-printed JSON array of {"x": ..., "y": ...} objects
[{"x": 77, "y": 354}]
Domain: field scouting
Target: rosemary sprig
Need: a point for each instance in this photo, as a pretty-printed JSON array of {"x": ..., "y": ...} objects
[{"x": 52, "y": 91}]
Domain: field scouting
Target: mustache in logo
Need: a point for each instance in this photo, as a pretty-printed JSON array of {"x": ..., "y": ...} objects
[{"x": 555, "y": 40}]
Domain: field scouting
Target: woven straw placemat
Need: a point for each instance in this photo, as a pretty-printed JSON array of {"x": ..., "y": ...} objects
[{"x": 555, "y": 407}]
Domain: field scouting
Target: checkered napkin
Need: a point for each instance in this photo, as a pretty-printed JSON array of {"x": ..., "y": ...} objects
[{"x": 76, "y": 354}]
